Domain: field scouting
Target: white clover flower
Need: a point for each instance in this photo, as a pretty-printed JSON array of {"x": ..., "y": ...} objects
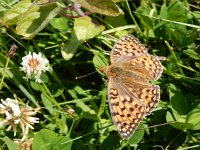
[
  {"x": 15, "y": 115},
  {"x": 33, "y": 65},
  {"x": 13, "y": 104}
]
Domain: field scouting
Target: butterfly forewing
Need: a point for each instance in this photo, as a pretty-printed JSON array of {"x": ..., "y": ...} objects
[
  {"x": 148, "y": 63},
  {"x": 127, "y": 48}
]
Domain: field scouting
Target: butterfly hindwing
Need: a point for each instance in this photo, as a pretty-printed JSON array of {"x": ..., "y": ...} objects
[{"x": 126, "y": 110}]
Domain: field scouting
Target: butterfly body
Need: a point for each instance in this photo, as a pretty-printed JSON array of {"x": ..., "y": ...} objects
[
  {"x": 130, "y": 93},
  {"x": 125, "y": 72}
]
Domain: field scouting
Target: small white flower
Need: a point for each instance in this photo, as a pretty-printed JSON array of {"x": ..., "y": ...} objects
[
  {"x": 13, "y": 104},
  {"x": 15, "y": 115},
  {"x": 33, "y": 65}
]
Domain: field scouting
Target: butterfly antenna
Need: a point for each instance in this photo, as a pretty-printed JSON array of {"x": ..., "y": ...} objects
[
  {"x": 85, "y": 75},
  {"x": 158, "y": 125}
]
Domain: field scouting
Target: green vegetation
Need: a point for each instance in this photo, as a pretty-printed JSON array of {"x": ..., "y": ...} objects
[{"x": 76, "y": 38}]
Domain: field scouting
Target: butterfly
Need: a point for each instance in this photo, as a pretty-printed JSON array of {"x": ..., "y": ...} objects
[{"x": 131, "y": 95}]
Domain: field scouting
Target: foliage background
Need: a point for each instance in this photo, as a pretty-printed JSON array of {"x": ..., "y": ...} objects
[{"x": 77, "y": 42}]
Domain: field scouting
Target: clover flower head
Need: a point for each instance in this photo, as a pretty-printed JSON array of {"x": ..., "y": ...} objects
[
  {"x": 15, "y": 115},
  {"x": 33, "y": 65}
]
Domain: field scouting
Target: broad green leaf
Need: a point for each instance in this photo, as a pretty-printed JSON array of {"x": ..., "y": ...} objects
[
  {"x": 177, "y": 100},
  {"x": 183, "y": 38},
  {"x": 35, "y": 19},
  {"x": 176, "y": 124},
  {"x": 137, "y": 136},
  {"x": 103, "y": 7},
  {"x": 145, "y": 18},
  {"x": 163, "y": 11},
  {"x": 47, "y": 139},
  {"x": 10, "y": 144},
  {"x": 12, "y": 15},
  {"x": 177, "y": 11},
  {"x": 35, "y": 85},
  {"x": 69, "y": 49},
  {"x": 60, "y": 23},
  {"x": 194, "y": 118},
  {"x": 85, "y": 29}
]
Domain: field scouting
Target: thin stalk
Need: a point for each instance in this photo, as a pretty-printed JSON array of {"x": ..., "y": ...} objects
[
  {"x": 3, "y": 75},
  {"x": 130, "y": 13},
  {"x": 175, "y": 58},
  {"x": 52, "y": 99}
]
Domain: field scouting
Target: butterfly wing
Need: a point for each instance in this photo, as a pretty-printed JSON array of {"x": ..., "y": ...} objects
[
  {"x": 126, "y": 110},
  {"x": 147, "y": 64},
  {"x": 126, "y": 48},
  {"x": 146, "y": 93}
]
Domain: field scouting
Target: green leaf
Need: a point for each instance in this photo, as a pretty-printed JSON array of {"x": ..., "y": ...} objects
[
  {"x": 43, "y": 139},
  {"x": 145, "y": 18},
  {"x": 60, "y": 23},
  {"x": 10, "y": 144},
  {"x": 137, "y": 136},
  {"x": 69, "y": 49},
  {"x": 103, "y": 7},
  {"x": 35, "y": 19},
  {"x": 48, "y": 104},
  {"x": 193, "y": 118},
  {"x": 178, "y": 125},
  {"x": 85, "y": 29},
  {"x": 87, "y": 111},
  {"x": 177, "y": 11},
  {"x": 182, "y": 37},
  {"x": 47, "y": 139},
  {"x": 13, "y": 14},
  {"x": 192, "y": 54},
  {"x": 178, "y": 100},
  {"x": 163, "y": 11},
  {"x": 35, "y": 85}
]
